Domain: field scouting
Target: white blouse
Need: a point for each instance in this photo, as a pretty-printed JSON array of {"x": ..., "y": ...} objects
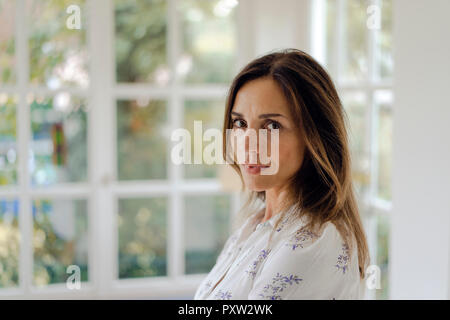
[{"x": 296, "y": 265}]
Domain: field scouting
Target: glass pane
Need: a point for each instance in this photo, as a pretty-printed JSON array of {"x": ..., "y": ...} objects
[
  {"x": 141, "y": 139},
  {"x": 142, "y": 237},
  {"x": 7, "y": 48},
  {"x": 384, "y": 55},
  {"x": 211, "y": 115},
  {"x": 209, "y": 40},
  {"x": 141, "y": 41},
  {"x": 207, "y": 225},
  {"x": 58, "y": 53},
  {"x": 60, "y": 240},
  {"x": 59, "y": 145},
  {"x": 8, "y": 146},
  {"x": 355, "y": 64},
  {"x": 383, "y": 254},
  {"x": 9, "y": 243},
  {"x": 355, "y": 104},
  {"x": 383, "y": 101}
]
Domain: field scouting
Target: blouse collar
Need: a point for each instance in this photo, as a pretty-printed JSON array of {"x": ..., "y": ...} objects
[{"x": 272, "y": 221}]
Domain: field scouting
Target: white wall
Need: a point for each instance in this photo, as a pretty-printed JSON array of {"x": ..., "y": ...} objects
[
  {"x": 419, "y": 253},
  {"x": 269, "y": 25}
]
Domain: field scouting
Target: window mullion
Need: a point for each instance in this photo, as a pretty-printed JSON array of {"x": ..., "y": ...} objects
[
  {"x": 101, "y": 158},
  {"x": 341, "y": 38},
  {"x": 175, "y": 230},
  {"x": 372, "y": 118},
  {"x": 23, "y": 141},
  {"x": 320, "y": 26},
  {"x": 372, "y": 142}
]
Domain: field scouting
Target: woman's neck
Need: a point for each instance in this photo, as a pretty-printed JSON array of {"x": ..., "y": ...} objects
[{"x": 276, "y": 202}]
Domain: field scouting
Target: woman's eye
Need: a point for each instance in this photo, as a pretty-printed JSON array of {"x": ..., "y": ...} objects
[
  {"x": 273, "y": 125},
  {"x": 238, "y": 123}
]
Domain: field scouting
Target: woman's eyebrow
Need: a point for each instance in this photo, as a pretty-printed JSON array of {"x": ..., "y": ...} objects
[{"x": 261, "y": 116}]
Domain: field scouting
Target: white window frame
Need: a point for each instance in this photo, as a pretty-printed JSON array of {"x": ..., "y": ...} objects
[
  {"x": 372, "y": 205},
  {"x": 102, "y": 189}
]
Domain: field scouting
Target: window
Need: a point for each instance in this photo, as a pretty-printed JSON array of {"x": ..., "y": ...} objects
[
  {"x": 44, "y": 196},
  {"x": 86, "y": 176},
  {"x": 353, "y": 40},
  {"x": 187, "y": 60}
]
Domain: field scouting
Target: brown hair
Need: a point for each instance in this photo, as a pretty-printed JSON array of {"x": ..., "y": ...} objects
[{"x": 322, "y": 189}]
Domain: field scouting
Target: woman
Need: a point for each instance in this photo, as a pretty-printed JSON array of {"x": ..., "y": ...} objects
[{"x": 307, "y": 240}]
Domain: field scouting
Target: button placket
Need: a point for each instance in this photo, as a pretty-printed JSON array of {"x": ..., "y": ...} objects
[
  {"x": 229, "y": 266},
  {"x": 242, "y": 256}
]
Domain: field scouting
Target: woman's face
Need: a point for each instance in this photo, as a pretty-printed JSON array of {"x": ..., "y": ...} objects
[{"x": 260, "y": 104}]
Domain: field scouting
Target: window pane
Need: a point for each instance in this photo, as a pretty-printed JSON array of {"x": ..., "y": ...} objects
[
  {"x": 141, "y": 40},
  {"x": 383, "y": 101},
  {"x": 209, "y": 40},
  {"x": 384, "y": 56},
  {"x": 58, "y": 53},
  {"x": 141, "y": 139},
  {"x": 207, "y": 220},
  {"x": 355, "y": 106},
  {"x": 9, "y": 243},
  {"x": 59, "y": 145},
  {"x": 60, "y": 239},
  {"x": 355, "y": 64},
  {"x": 383, "y": 254},
  {"x": 142, "y": 237},
  {"x": 7, "y": 47},
  {"x": 8, "y": 146},
  {"x": 211, "y": 115}
]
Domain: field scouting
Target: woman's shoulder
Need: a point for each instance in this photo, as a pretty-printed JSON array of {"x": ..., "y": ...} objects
[
  {"x": 318, "y": 259},
  {"x": 300, "y": 229},
  {"x": 316, "y": 254},
  {"x": 302, "y": 239}
]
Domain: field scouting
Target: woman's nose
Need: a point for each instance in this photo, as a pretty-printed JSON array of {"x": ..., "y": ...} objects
[
  {"x": 251, "y": 141},
  {"x": 246, "y": 145}
]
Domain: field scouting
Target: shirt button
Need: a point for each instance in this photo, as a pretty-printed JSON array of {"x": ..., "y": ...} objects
[{"x": 262, "y": 224}]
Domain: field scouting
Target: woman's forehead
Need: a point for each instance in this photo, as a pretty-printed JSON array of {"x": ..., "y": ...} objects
[{"x": 261, "y": 96}]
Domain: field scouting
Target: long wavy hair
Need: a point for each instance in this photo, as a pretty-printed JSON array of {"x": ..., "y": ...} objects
[{"x": 322, "y": 189}]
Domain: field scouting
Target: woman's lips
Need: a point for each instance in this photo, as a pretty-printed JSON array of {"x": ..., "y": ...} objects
[{"x": 254, "y": 169}]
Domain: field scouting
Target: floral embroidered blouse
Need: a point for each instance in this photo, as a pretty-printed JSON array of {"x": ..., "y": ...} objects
[{"x": 297, "y": 264}]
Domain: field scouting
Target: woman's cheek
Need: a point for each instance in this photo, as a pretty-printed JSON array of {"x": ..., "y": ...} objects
[
  {"x": 289, "y": 156},
  {"x": 284, "y": 156}
]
